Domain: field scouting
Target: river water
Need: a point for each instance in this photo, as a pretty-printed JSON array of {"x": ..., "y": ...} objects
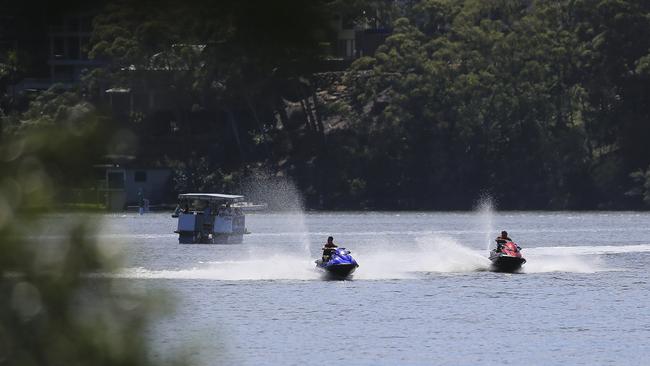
[{"x": 421, "y": 296}]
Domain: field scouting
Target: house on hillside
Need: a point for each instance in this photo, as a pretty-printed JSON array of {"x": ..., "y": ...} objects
[
  {"x": 357, "y": 39},
  {"x": 53, "y": 51},
  {"x": 148, "y": 88},
  {"x": 68, "y": 42},
  {"x": 126, "y": 185}
]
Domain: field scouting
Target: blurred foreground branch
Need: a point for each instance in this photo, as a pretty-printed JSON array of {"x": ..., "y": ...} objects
[{"x": 53, "y": 310}]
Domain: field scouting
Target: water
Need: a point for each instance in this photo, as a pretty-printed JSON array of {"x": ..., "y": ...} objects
[
  {"x": 421, "y": 296},
  {"x": 486, "y": 213}
]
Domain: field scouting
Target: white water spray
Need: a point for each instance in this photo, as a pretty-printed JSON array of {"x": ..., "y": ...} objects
[
  {"x": 433, "y": 255},
  {"x": 274, "y": 267},
  {"x": 281, "y": 195},
  {"x": 486, "y": 217}
]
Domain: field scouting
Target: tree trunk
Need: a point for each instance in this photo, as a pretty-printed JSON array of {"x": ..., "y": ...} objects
[
  {"x": 259, "y": 126},
  {"x": 233, "y": 125},
  {"x": 319, "y": 120},
  {"x": 308, "y": 117},
  {"x": 282, "y": 112}
]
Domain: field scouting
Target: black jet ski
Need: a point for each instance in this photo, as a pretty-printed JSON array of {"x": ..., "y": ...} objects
[
  {"x": 508, "y": 259},
  {"x": 340, "y": 264}
]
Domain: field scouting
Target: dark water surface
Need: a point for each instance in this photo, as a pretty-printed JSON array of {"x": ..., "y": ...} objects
[{"x": 422, "y": 295}]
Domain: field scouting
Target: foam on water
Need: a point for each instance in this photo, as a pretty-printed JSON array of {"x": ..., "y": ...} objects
[
  {"x": 589, "y": 250},
  {"x": 563, "y": 263},
  {"x": 276, "y": 267},
  {"x": 580, "y": 259},
  {"x": 432, "y": 254}
]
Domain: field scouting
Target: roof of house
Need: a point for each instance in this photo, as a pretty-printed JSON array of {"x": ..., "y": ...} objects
[{"x": 211, "y": 197}]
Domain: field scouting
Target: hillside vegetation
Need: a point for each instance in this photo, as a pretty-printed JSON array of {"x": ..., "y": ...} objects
[{"x": 541, "y": 104}]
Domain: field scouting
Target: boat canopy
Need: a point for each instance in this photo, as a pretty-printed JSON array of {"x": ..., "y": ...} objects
[{"x": 212, "y": 197}]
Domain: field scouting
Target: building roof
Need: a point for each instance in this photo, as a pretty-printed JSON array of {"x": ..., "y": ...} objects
[
  {"x": 211, "y": 197},
  {"x": 118, "y": 90}
]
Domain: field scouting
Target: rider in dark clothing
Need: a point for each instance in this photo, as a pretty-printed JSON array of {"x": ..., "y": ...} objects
[
  {"x": 502, "y": 240},
  {"x": 328, "y": 248}
]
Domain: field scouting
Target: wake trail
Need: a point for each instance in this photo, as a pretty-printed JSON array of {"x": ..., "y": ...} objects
[
  {"x": 578, "y": 259},
  {"x": 589, "y": 250},
  {"x": 276, "y": 267},
  {"x": 441, "y": 255},
  {"x": 430, "y": 255}
]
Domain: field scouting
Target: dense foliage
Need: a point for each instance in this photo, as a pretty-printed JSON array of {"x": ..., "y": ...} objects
[
  {"x": 542, "y": 104},
  {"x": 58, "y": 303}
]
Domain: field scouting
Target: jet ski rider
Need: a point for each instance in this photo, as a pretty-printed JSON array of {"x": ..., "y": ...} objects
[
  {"x": 328, "y": 248},
  {"x": 502, "y": 240}
]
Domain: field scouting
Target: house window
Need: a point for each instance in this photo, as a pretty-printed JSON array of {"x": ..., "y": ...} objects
[{"x": 140, "y": 176}]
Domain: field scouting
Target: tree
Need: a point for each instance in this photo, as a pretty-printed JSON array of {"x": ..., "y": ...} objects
[{"x": 58, "y": 303}]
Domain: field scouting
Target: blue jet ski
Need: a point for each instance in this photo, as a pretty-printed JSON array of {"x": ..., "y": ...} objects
[{"x": 340, "y": 263}]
